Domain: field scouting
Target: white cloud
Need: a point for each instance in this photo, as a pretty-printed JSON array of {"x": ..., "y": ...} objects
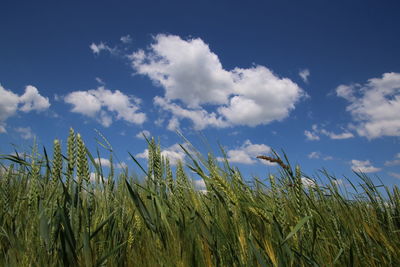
[
  {"x": 247, "y": 153},
  {"x": 316, "y": 131},
  {"x": 174, "y": 153},
  {"x": 374, "y": 106},
  {"x": 122, "y": 165},
  {"x": 126, "y": 39},
  {"x": 100, "y": 81},
  {"x": 31, "y": 100},
  {"x": 319, "y": 155},
  {"x": 144, "y": 132},
  {"x": 25, "y": 132},
  {"x": 307, "y": 182},
  {"x": 331, "y": 135},
  {"x": 104, "y": 104},
  {"x": 312, "y": 136},
  {"x": 56, "y": 97},
  {"x": 200, "y": 185},
  {"x": 107, "y": 163},
  {"x": 83, "y": 102},
  {"x": 394, "y": 162},
  {"x": 200, "y": 117},
  {"x": 363, "y": 166},
  {"x": 346, "y": 92},
  {"x": 159, "y": 122},
  {"x": 98, "y": 48},
  {"x": 304, "y": 74},
  {"x": 92, "y": 177},
  {"x": 143, "y": 155},
  {"x": 314, "y": 155},
  {"x": 8, "y": 106},
  {"x": 173, "y": 124},
  {"x": 192, "y": 74},
  {"x": 394, "y": 174}
]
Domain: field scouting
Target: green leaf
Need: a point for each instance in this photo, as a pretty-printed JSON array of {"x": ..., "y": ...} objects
[
  {"x": 297, "y": 228},
  {"x": 337, "y": 256},
  {"x": 105, "y": 257},
  {"x": 101, "y": 225},
  {"x": 140, "y": 166},
  {"x": 141, "y": 207}
]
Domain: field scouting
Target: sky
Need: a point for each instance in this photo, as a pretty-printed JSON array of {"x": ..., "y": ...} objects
[{"x": 319, "y": 80}]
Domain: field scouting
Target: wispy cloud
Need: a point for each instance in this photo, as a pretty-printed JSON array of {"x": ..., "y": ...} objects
[
  {"x": 126, "y": 39},
  {"x": 394, "y": 162},
  {"x": 318, "y": 155},
  {"x": 25, "y": 132},
  {"x": 314, "y": 155},
  {"x": 100, "y": 81},
  {"x": 312, "y": 136},
  {"x": 304, "y": 74},
  {"x": 394, "y": 174},
  {"x": 99, "y": 47},
  {"x": 316, "y": 131}
]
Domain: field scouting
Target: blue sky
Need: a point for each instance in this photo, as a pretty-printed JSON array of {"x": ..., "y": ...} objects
[{"x": 318, "y": 79}]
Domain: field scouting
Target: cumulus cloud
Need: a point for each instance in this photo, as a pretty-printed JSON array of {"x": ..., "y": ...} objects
[
  {"x": 25, "y": 132},
  {"x": 394, "y": 162},
  {"x": 32, "y": 100},
  {"x": 304, "y": 74},
  {"x": 374, "y": 106},
  {"x": 144, "y": 132},
  {"x": 200, "y": 117},
  {"x": 247, "y": 153},
  {"x": 193, "y": 76},
  {"x": 174, "y": 153},
  {"x": 10, "y": 103},
  {"x": 316, "y": 131},
  {"x": 104, "y": 105},
  {"x": 363, "y": 166},
  {"x": 8, "y": 106}
]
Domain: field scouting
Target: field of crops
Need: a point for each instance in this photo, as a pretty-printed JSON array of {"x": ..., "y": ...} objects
[{"x": 53, "y": 212}]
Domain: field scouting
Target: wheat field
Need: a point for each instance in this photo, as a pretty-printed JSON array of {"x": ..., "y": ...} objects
[{"x": 54, "y": 212}]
